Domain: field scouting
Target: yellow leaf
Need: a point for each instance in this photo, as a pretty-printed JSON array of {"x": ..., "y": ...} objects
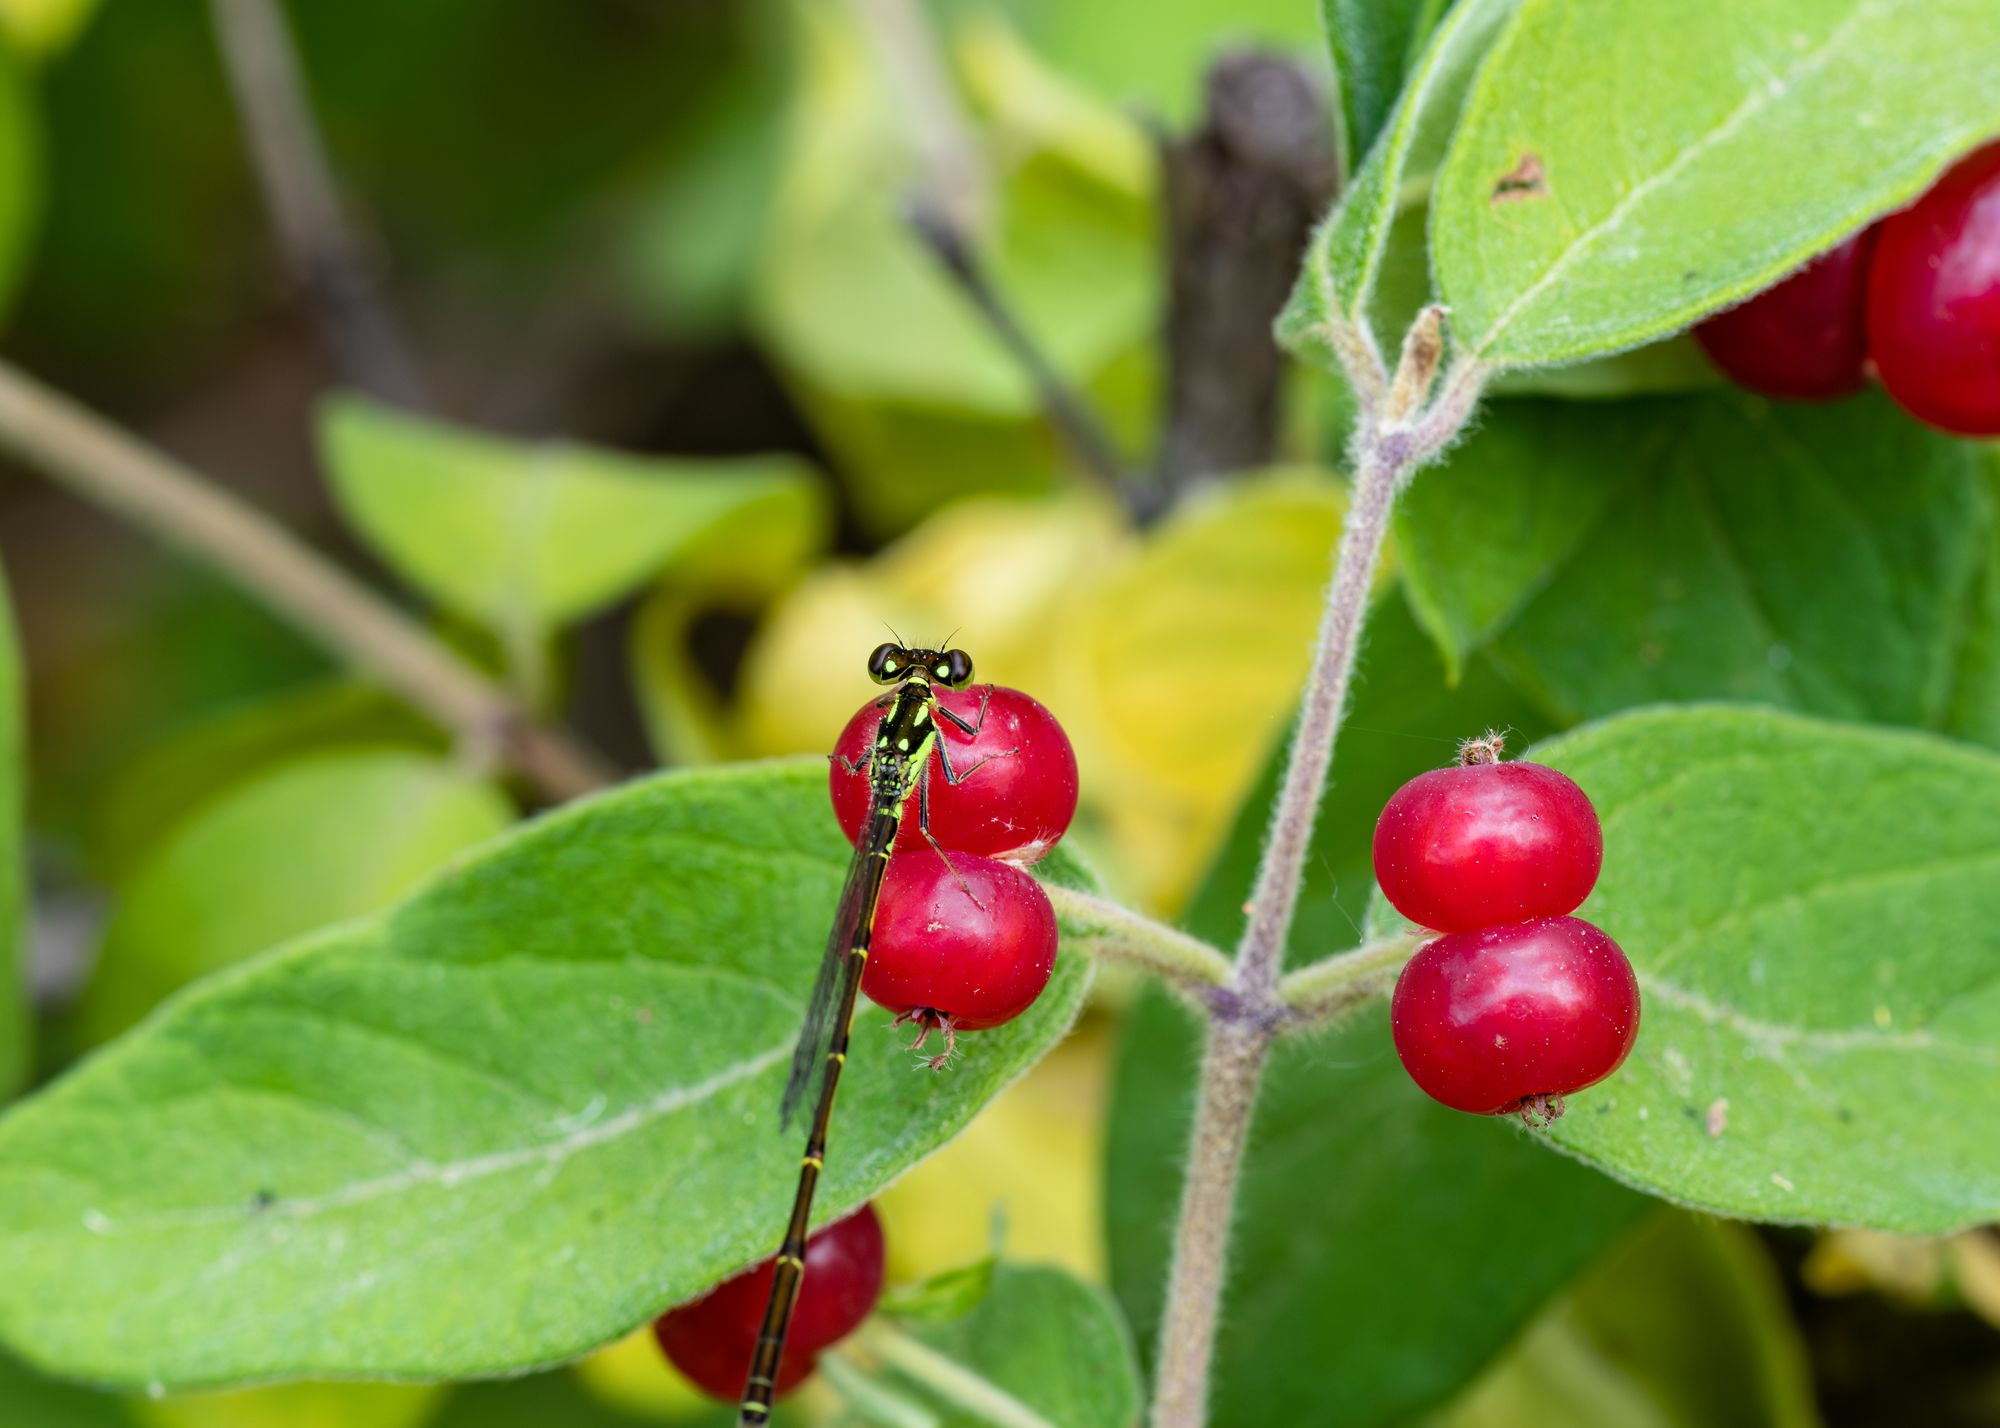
[{"x": 1179, "y": 665}]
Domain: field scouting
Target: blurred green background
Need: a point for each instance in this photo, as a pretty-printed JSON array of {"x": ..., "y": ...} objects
[{"x": 674, "y": 231}]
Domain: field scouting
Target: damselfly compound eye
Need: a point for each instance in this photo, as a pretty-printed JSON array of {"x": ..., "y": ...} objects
[
  {"x": 887, "y": 664},
  {"x": 957, "y": 669}
]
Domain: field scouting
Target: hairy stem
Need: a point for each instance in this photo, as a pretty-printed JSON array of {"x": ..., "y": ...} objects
[
  {"x": 1388, "y": 446},
  {"x": 320, "y": 242},
  {"x": 1230, "y": 1070},
  {"x": 1317, "y": 994},
  {"x": 1118, "y": 934},
  {"x": 47, "y": 431}
]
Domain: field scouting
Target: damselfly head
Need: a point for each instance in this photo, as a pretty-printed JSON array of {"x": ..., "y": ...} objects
[{"x": 892, "y": 664}]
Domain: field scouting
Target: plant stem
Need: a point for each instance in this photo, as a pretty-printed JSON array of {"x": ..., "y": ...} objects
[
  {"x": 1121, "y": 935},
  {"x": 1387, "y": 448},
  {"x": 1316, "y": 994},
  {"x": 49, "y": 432},
  {"x": 320, "y": 242},
  {"x": 1231, "y": 1067}
]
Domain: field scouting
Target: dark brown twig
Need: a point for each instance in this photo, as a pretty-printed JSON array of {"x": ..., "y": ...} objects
[{"x": 320, "y": 243}]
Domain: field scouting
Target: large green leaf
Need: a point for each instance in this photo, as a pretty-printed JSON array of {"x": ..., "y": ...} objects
[
  {"x": 1683, "y": 1325},
  {"x": 1361, "y": 244},
  {"x": 1824, "y": 558},
  {"x": 14, "y": 1025},
  {"x": 1385, "y": 1248},
  {"x": 1374, "y": 42},
  {"x": 303, "y": 846},
  {"x": 1811, "y": 908},
  {"x": 496, "y": 1126},
  {"x": 525, "y": 537},
  {"x": 1620, "y": 170},
  {"x": 1040, "y": 1340}
]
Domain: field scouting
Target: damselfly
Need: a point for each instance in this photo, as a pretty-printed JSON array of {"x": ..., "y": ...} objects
[{"x": 896, "y": 766}]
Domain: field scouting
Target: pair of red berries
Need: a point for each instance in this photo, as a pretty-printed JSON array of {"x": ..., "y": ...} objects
[
  {"x": 965, "y": 940},
  {"x": 957, "y": 946},
  {"x": 1917, "y": 296},
  {"x": 1516, "y": 1004}
]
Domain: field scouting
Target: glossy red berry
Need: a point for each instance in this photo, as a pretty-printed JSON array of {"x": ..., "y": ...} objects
[
  {"x": 1019, "y": 788},
  {"x": 1511, "y": 1019},
  {"x": 710, "y": 1339},
  {"x": 1482, "y": 843},
  {"x": 1803, "y": 339},
  {"x": 1934, "y": 300},
  {"x": 959, "y": 955}
]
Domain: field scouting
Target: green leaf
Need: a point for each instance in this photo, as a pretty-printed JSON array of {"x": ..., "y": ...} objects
[
  {"x": 1622, "y": 170},
  {"x": 1042, "y": 1345},
  {"x": 167, "y": 781},
  {"x": 303, "y": 846},
  {"x": 1373, "y": 43},
  {"x": 493, "y": 1127},
  {"x": 1683, "y": 1325},
  {"x": 944, "y": 1295},
  {"x": 1448, "y": 1231},
  {"x": 1716, "y": 547},
  {"x": 1345, "y": 261},
  {"x": 15, "y": 1029},
  {"x": 20, "y": 163},
  {"x": 527, "y": 537},
  {"x": 1150, "y": 56},
  {"x": 1810, "y": 907},
  {"x": 1067, "y": 233}
]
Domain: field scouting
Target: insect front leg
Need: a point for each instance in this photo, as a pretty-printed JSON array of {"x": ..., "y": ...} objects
[{"x": 924, "y": 827}]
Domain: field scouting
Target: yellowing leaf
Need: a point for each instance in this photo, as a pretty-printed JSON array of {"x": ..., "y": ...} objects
[
  {"x": 1031, "y": 1157},
  {"x": 296, "y": 1405},
  {"x": 40, "y": 27},
  {"x": 989, "y": 571},
  {"x": 1179, "y": 664}
]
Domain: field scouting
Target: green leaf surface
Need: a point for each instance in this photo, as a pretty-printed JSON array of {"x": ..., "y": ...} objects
[
  {"x": 1042, "y": 1341},
  {"x": 1621, "y": 170},
  {"x": 1385, "y": 1247},
  {"x": 1374, "y": 42},
  {"x": 1346, "y": 260},
  {"x": 1683, "y": 1325},
  {"x": 944, "y": 1295},
  {"x": 15, "y": 1029},
  {"x": 493, "y": 1127},
  {"x": 1823, "y": 558},
  {"x": 20, "y": 159},
  {"x": 525, "y": 537},
  {"x": 1811, "y": 910},
  {"x": 300, "y": 847},
  {"x": 167, "y": 781}
]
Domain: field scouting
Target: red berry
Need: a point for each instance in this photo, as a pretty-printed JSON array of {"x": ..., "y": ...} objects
[
  {"x": 1934, "y": 300},
  {"x": 710, "y": 1339},
  {"x": 1014, "y": 805},
  {"x": 1512, "y": 1018},
  {"x": 959, "y": 955},
  {"x": 1803, "y": 339},
  {"x": 1482, "y": 843}
]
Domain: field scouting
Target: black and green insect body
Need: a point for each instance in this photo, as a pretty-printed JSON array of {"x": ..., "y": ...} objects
[{"x": 896, "y": 765}]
